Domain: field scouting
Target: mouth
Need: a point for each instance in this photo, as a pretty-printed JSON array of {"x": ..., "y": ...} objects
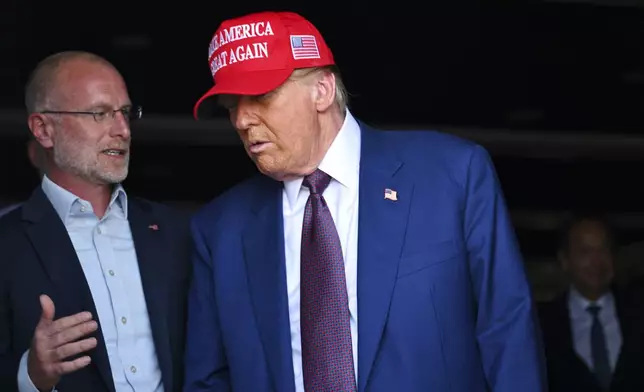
[
  {"x": 257, "y": 147},
  {"x": 115, "y": 152}
]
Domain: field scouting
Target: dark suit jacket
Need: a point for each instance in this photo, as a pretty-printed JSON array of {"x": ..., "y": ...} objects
[
  {"x": 443, "y": 300},
  {"x": 568, "y": 373},
  {"x": 37, "y": 257}
]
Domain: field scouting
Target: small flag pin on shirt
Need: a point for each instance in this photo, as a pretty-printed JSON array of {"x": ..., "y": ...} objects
[
  {"x": 390, "y": 194},
  {"x": 153, "y": 227}
]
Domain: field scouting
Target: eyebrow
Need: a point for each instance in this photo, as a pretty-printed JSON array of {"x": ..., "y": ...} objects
[{"x": 103, "y": 106}]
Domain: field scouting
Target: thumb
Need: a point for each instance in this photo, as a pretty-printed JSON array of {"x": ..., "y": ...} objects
[{"x": 48, "y": 309}]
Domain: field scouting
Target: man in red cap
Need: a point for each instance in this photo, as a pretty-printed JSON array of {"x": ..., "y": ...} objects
[{"x": 361, "y": 260}]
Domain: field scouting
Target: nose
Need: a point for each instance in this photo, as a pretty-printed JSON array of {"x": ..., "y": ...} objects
[
  {"x": 120, "y": 126},
  {"x": 242, "y": 116}
]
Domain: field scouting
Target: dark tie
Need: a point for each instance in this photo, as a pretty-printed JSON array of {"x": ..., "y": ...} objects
[
  {"x": 599, "y": 350},
  {"x": 327, "y": 356}
]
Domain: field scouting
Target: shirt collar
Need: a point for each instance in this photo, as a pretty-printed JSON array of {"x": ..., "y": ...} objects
[
  {"x": 341, "y": 162},
  {"x": 579, "y": 304},
  {"x": 64, "y": 201}
]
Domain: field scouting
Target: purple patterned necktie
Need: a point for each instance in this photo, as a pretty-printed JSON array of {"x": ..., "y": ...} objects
[{"x": 327, "y": 355}]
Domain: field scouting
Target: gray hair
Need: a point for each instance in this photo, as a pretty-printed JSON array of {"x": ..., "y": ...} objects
[{"x": 341, "y": 93}]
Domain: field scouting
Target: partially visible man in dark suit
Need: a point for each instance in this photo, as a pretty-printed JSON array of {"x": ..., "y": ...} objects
[
  {"x": 94, "y": 282},
  {"x": 593, "y": 331},
  {"x": 362, "y": 260}
]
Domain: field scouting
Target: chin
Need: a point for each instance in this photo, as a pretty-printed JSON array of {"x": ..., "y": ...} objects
[
  {"x": 114, "y": 178},
  {"x": 271, "y": 171}
]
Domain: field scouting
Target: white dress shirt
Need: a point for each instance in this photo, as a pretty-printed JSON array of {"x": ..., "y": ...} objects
[
  {"x": 105, "y": 249},
  {"x": 581, "y": 322},
  {"x": 342, "y": 163}
]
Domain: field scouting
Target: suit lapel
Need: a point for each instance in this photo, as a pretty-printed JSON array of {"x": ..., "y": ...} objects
[
  {"x": 148, "y": 240},
  {"x": 564, "y": 340},
  {"x": 49, "y": 237},
  {"x": 631, "y": 336},
  {"x": 263, "y": 242},
  {"x": 382, "y": 226}
]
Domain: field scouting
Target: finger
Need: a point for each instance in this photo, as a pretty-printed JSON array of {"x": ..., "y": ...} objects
[
  {"x": 63, "y": 368},
  {"x": 68, "y": 322},
  {"x": 73, "y": 333},
  {"x": 48, "y": 309},
  {"x": 65, "y": 351}
]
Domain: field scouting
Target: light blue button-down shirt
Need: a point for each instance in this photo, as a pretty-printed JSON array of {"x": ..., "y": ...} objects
[
  {"x": 581, "y": 323},
  {"x": 105, "y": 249}
]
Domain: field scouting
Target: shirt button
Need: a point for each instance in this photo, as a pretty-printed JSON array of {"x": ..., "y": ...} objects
[
  {"x": 99, "y": 230},
  {"x": 133, "y": 369},
  {"x": 83, "y": 208},
  {"x": 123, "y": 320},
  {"x": 111, "y": 273}
]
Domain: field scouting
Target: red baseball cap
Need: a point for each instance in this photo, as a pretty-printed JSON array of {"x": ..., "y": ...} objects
[{"x": 256, "y": 53}]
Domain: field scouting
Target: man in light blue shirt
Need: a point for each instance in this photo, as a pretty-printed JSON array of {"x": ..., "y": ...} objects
[{"x": 92, "y": 297}]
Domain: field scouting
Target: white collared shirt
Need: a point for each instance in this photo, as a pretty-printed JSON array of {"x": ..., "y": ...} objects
[
  {"x": 581, "y": 322},
  {"x": 105, "y": 250},
  {"x": 342, "y": 163}
]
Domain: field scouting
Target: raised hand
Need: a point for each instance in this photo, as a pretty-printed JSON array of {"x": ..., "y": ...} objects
[{"x": 55, "y": 341}]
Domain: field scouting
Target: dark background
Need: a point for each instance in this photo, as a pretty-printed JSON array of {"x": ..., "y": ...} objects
[{"x": 501, "y": 73}]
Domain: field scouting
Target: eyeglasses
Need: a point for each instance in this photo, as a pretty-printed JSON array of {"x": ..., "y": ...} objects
[{"x": 131, "y": 113}]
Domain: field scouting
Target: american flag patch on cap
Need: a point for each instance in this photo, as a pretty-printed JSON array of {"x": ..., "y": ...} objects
[{"x": 304, "y": 47}]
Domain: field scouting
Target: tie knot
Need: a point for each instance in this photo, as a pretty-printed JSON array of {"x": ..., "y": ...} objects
[
  {"x": 594, "y": 310},
  {"x": 317, "y": 181}
]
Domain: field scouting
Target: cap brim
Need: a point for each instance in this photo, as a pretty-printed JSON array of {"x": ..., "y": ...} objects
[{"x": 250, "y": 83}]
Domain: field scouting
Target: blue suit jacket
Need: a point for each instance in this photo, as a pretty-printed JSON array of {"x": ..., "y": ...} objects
[
  {"x": 443, "y": 300},
  {"x": 37, "y": 257}
]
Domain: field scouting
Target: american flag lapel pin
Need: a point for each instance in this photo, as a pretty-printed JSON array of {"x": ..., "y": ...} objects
[
  {"x": 391, "y": 194},
  {"x": 153, "y": 227}
]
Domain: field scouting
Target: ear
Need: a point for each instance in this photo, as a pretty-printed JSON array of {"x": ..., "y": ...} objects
[
  {"x": 324, "y": 91},
  {"x": 42, "y": 129}
]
